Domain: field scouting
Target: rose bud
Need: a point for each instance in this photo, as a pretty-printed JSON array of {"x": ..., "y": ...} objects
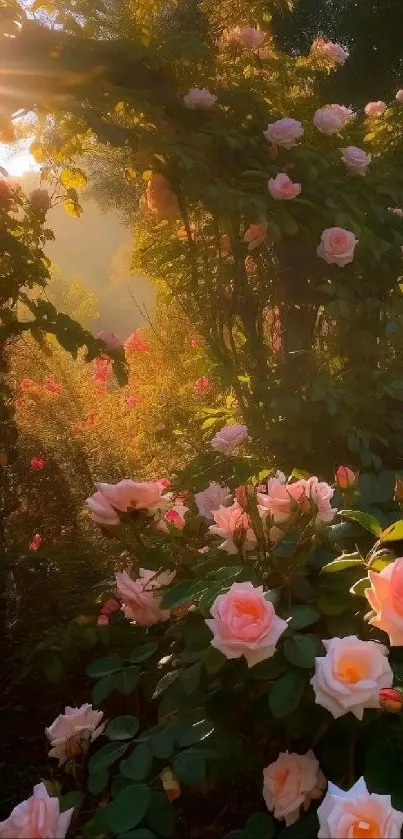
[
  {"x": 345, "y": 478},
  {"x": 391, "y": 700},
  {"x": 399, "y": 490}
]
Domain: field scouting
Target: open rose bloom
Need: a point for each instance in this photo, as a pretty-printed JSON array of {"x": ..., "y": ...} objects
[
  {"x": 38, "y": 817},
  {"x": 228, "y": 438},
  {"x": 309, "y": 497},
  {"x": 72, "y": 732},
  {"x": 255, "y": 235},
  {"x": 291, "y": 783},
  {"x": 282, "y": 188},
  {"x": 358, "y": 814},
  {"x": 331, "y": 118},
  {"x": 247, "y": 36},
  {"x": 245, "y": 624},
  {"x": 233, "y": 525},
  {"x": 141, "y": 598},
  {"x": 126, "y": 495},
  {"x": 284, "y": 132},
  {"x": 211, "y": 499},
  {"x": 356, "y": 160},
  {"x": 385, "y": 596},
  {"x": 199, "y": 98},
  {"x": 337, "y": 246}
]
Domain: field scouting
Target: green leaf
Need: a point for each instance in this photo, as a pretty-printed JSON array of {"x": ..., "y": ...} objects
[
  {"x": 126, "y": 680},
  {"x": 302, "y": 650},
  {"x": 179, "y": 594},
  {"x": 122, "y": 728},
  {"x": 190, "y": 678},
  {"x": 260, "y": 825},
  {"x": 359, "y": 587},
  {"x": 106, "y": 756},
  {"x": 305, "y": 826},
  {"x": 268, "y": 669},
  {"x": 161, "y": 815},
  {"x": 393, "y": 533},
  {"x": 97, "y": 781},
  {"x": 102, "y": 689},
  {"x": 139, "y": 764},
  {"x": 97, "y": 826},
  {"x": 141, "y": 833},
  {"x": 343, "y": 563},
  {"x": 144, "y": 652},
  {"x": 299, "y": 617},
  {"x": 187, "y": 735},
  {"x": 286, "y": 694},
  {"x": 71, "y": 799},
  {"x": 364, "y": 519},
  {"x": 163, "y": 743},
  {"x": 103, "y": 667},
  {"x": 213, "y": 660},
  {"x": 129, "y": 808},
  {"x": 190, "y": 767},
  {"x": 332, "y": 602}
]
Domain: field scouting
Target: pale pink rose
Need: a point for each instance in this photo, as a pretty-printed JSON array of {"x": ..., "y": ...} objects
[
  {"x": 110, "y": 339},
  {"x": 307, "y": 497},
  {"x": 397, "y": 211},
  {"x": 330, "y": 119},
  {"x": 204, "y": 550},
  {"x": 102, "y": 511},
  {"x": 385, "y": 596},
  {"x": 233, "y": 525},
  {"x": 247, "y": 36},
  {"x": 292, "y": 782},
  {"x": 399, "y": 96},
  {"x": 135, "y": 495},
  {"x": 356, "y": 160},
  {"x": 281, "y": 188},
  {"x": 72, "y": 732},
  {"x": 211, "y": 499},
  {"x": 350, "y": 675},
  {"x": 284, "y": 132},
  {"x": 255, "y": 235},
  {"x": 358, "y": 814},
  {"x": 331, "y": 50},
  {"x": 175, "y": 516},
  {"x": 199, "y": 98},
  {"x": 228, "y": 438},
  {"x": 337, "y": 246},
  {"x": 345, "y": 113},
  {"x": 375, "y": 109},
  {"x": 245, "y": 624},
  {"x": 160, "y": 197},
  {"x": 140, "y": 602},
  {"x": 38, "y": 817}
]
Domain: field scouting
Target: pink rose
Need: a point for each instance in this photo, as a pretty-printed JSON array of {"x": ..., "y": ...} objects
[
  {"x": 306, "y": 497},
  {"x": 52, "y": 386},
  {"x": 199, "y": 98},
  {"x": 346, "y": 478},
  {"x": 135, "y": 495},
  {"x": 397, "y": 211},
  {"x": 292, "y": 782},
  {"x": 233, "y": 525},
  {"x": 38, "y": 817},
  {"x": 284, "y": 132},
  {"x": 337, "y": 246},
  {"x": 72, "y": 732},
  {"x": 202, "y": 385},
  {"x": 333, "y": 51},
  {"x": 228, "y": 438},
  {"x": 350, "y": 675},
  {"x": 385, "y": 596},
  {"x": 211, "y": 499},
  {"x": 399, "y": 96},
  {"x": 102, "y": 511},
  {"x": 160, "y": 197},
  {"x": 356, "y": 160},
  {"x": 357, "y": 813},
  {"x": 35, "y": 542},
  {"x": 330, "y": 119},
  {"x": 245, "y": 624},
  {"x": 132, "y": 401},
  {"x": 175, "y": 516},
  {"x": 255, "y": 235},
  {"x": 247, "y": 36},
  {"x": 135, "y": 343},
  {"x": 140, "y": 603},
  {"x": 37, "y": 463},
  {"x": 102, "y": 369},
  {"x": 281, "y": 188},
  {"x": 110, "y": 339},
  {"x": 375, "y": 109}
]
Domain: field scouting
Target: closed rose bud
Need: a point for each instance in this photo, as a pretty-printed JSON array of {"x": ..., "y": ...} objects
[
  {"x": 170, "y": 784},
  {"x": 391, "y": 700},
  {"x": 399, "y": 490},
  {"x": 345, "y": 478}
]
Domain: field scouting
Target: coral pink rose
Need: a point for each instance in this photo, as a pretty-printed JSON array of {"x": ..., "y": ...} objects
[
  {"x": 211, "y": 499},
  {"x": 110, "y": 339},
  {"x": 292, "y": 782},
  {"x": 385, "y": 596},
  {"x": 346, "y": 478},
  {"x": 199, "y": 98},
  {"x": 35, "y": 542},
  {"x": 102, "y": 511},
  {"x": 255, "y": 235},
  {"x": 160, "y": 197},
  {"x": 233, "y": 525},
  {"x": 140, "y": 602},
  {"x": 350, "y": 675},
  {"x": 356, "y": 160},
  {"x": 38, "y": 817},
  {"x": 399, "y": 96},
  {"x": 306, "y": 497},
  {"x": 134, "y": 495},
  {"x": 52, "y": 386},
  {"x": 247, "y": 36},
  {"x": 375, "y": 109},
  {"x": 102, "y": 369},
  {"x": 331, "y": 50},
  {"x": 245, "y": 624},
  {"x": 175, "y": 516},
  {"x": 337, "y": 246},
  {"x": 358, "y": 814},
  {"x": 202, "y": 385},
  {"x": 26, "y": 385},
  {"x": 391, "y": 700},
  {"x": 72, "y": 732},
  {"x": 228, "y": 438},
  {"x": 284, "y": 132},
  {"x": 281, "y": 188},
  {"x": 37, "y": 463},
  {"x": 330, "y": 119}
]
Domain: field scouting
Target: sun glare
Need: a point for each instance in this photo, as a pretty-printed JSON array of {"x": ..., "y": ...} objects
[{"x": 17, "y": 162}]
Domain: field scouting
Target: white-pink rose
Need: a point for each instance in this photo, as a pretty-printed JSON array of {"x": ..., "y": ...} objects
[
  {"x": 110, "y": 339},
  {"x": 135, "y": 495},
  {"x": 332, "y": 51},
  {"x": 199, "y": 98},
  {"x": 228, "y": 438},
  {"x": 140, "y": 598},
  {"x": 356, "y": 160},
  {"x": 397, "y": 211},
  {"x": 337, "y": 246},
  {"x": 175, "y": 516},
  {"x": 375, "y": 109},
  {"x": 38, "y": 817},
  {"x": 385, "y": 596},
  {"x": 245, "y": 624},
  {"x": 399, "y": 96},
  {"x": 307, "y": 497},
  {"x": 292, "y": 782},
  {"x": 284, "y": 132},
  {"x": 282, "y": 188},
  {"x": 211, "y": 499},
  {"x": 255, "y": 235},
  {"x": 247, "y": 36},
  {"x": 330, "y": 119},
  {"x": 72, "y": 732},
  {"x": 357, "y": 813},
  {"x": 233, "y": 525},
  {"x": 350, "y": 675},
  {"x": 102, "y": 511}
]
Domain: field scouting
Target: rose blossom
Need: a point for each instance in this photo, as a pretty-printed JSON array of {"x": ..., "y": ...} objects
[
  {"x": 399, "y": 96},
  {"x": 175, "y": 516},
  {"x": 140, "y": 603},
  {"x": 228, "y": 438},
  {"x": 397, "y": 211},
  {"x": 135, "y": 343},
  {"x": 375, "y": 109},
  {"x": 135, "y": 495},
  {"x": 201, "y": 385},
  {"x": 337, "y": 246},
  {"x": 37, "y": 463},
  {"x": 132, "y": 401},
  {"x": 71, "y": 733},
  {"x": 357, "y": 813},
  {"x": 102, "y": 369},
  {"x": 102, "y": 511},
  {"x": 284, "y": 132},
  {"x": 385, "y": 596},
  {"x": 247, "y": 36},
  {"x": 244, "y": 623},
  {"x": 330, "y": 119},
  {"x": 110, "y": 339},
  {"x": 346, "y": 478},
  {"x": 38, "y": 817},
  {"x": 331, "y": 50},
  {"x": 292, "y": 782},
  {"x": 160, "y": 197},
  {"x": 255, "y": 235},
  {"x": 350, "y": 675},
  {"x": 307, "y": 496},
  {"x": 233, "y": 525},
  {"x": 52, "y": 386},
  {"x": 281, "y": 188},
  {"x": 391, "y": 700},
  {"x": 35, "y": 542},
  {"x": 211, "y": 499},
  {"x": 356, "y": 160},
  {"x": 199, "y": 98}
]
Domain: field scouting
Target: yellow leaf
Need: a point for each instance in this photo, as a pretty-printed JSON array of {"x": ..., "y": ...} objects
[
  {"x": 73, "y": 178},
  {"x": 72, "y": 208}
]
